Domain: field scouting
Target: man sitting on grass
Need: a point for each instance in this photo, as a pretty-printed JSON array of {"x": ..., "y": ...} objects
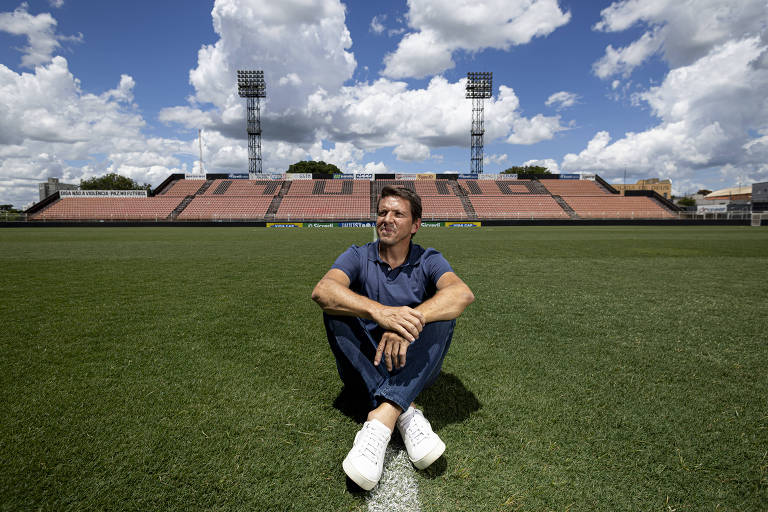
[{"x": 394, "y": 301}]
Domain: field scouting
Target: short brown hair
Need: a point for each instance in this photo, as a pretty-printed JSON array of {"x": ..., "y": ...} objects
[{"x": 403, "y": 193}]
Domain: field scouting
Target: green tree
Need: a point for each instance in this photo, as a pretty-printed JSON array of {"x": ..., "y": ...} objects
[
  {"x": 312, "y": 167},
  {"x": 6, "y": 208},
  {"x": 704, "y": 192},
  {"x": 112, "y": 181},
  {"x": 527, "y": 169},
  {"x": 686, "y": 201}
]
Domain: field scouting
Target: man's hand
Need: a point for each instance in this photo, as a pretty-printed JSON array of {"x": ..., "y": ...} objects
[
  {"x": 392, "y": 348},
  {"x": 405, "y": 321}
]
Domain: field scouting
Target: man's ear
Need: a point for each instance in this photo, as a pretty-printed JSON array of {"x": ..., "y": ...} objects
[{"x": 415, "y": 227}]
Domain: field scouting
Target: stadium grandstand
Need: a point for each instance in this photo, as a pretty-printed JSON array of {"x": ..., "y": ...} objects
[{"x": 338, "y": 198}]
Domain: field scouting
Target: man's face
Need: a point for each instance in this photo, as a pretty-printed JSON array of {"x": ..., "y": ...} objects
[{"x": 394, "y": 222}]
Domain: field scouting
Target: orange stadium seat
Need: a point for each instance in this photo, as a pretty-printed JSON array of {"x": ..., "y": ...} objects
[
  {"x": 574, "y": 188},
  {"x": 109, "y": 208},
  {"x": 226, "y": 208},
  {"x": 517, "y": 207},
  {"x": 324, "y": 207},
  {"x": 617, "y": 207}
]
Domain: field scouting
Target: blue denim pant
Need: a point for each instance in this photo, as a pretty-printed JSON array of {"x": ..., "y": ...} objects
[{"x": 354, "y": 347}]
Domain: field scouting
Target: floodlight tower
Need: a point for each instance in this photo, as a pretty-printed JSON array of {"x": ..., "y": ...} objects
[
  {"x": 251, "y": 85},
  {"x": 479, "y": 87}
]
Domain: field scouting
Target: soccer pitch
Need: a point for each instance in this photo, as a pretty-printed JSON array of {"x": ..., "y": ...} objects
[{"x": 600, "y": 368}]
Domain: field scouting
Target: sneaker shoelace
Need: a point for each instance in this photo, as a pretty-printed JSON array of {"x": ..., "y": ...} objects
[
  {"x": 418, "y": 428},
  {"x": 372, "y": 444}
]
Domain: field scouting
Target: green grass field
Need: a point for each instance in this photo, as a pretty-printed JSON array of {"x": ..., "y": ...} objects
[{"x": 600, "y": 368}]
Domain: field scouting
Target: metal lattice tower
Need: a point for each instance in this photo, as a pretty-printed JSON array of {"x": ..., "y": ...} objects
[
  {"x": 479, "y": 87},
  {"x": 251, "y": 85}
]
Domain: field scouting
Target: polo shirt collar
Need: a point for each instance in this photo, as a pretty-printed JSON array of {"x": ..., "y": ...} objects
[{"x": 411, "y": 260}]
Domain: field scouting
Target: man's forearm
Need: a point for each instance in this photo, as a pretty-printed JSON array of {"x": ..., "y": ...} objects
[
  {"x": 337, "y": 299},
  {"x": 447, "y": 304}
]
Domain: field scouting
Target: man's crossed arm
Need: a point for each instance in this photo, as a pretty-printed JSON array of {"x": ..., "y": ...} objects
[{"x": 403, "y": 324}]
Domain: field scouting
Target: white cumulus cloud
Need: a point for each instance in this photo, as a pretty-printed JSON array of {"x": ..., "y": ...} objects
[
  {"x": 446, "y": 26},
  {"x": 40, "y": 31},
  {"x": 47, "y": 121},
  {"x": 710, "y": 104},
  {"x": 562, "y": 99}
]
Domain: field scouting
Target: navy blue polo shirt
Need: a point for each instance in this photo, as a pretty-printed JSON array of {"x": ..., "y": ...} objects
[{"x": 410, "y": 284}]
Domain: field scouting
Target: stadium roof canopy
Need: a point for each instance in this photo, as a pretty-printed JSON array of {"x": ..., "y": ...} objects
[{"x": 725, "y": 193}]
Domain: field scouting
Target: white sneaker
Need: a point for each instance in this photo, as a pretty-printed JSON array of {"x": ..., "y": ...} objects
[
  {"x": 365, "y": 461},
  {"x": 423, "y": 445}
]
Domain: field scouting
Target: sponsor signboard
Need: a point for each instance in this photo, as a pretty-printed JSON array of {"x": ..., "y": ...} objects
[
  {"x": 102, "y": 193},
  {"x": 357, "y": 224},
  {"x": 570, "y": 177},
  {"x": 319, "y": 225},
  {"x": 463, "y": 224},
  {"x": 405, "y": 176},
  {"x": 345, "y": 176},
  {"x": 488, "y": 176},
  {"x": 426, "y": 176},
  {"x": 586, "y": 176},
  {"x": 467, "y": 176},
  {"x": 298, "y": 175},
  {"x": 364, "y": 176},
  {"x": 285, "y": 224},
  {"x": 266, "y": 177},
  {"x": 507, "y": 176},
  {"x": 431, "y": 224},
  {"x": 242, "y": 176},
  {"x": 712, "y": 208},
  {"x": 189, "y": 176}
]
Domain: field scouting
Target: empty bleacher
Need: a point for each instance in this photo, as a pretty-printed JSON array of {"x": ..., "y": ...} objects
[
  {"x": 574, "y": 188},
  {"x": 183, "y": 188},
  {"x": 617, "y": 207},
  {"x": 223, "y": 199},
  {"x": 326, "y": 199},
  {"x": 243, "y": 188},
  {"x": 496, "y": 188},
  {"x": 110, "y": 208},
  {"x": 515, "y": 207},
  {"x": 321, "y": 207},
  {"x": 226, "y": 208}
]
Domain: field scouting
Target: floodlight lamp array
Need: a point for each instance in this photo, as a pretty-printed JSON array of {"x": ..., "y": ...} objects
[
  {"x": 250, "y": 84},
  {"x": 479, "y": 84}
]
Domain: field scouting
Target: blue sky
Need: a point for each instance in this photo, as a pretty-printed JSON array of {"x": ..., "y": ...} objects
[{"x": 652, "y": 88}]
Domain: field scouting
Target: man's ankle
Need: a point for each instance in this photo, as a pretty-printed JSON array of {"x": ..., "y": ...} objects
[{"x": 387, "y": 413}]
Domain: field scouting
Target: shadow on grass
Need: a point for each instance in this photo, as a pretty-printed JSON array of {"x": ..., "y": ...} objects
[{"x": 446, "y": 401}]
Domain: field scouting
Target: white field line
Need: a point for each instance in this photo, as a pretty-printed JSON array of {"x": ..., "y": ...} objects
[{"x": 397, "y": 489}]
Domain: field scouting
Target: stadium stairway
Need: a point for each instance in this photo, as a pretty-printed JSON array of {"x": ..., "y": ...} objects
[
  {"x": 468, "y": 208},
  {"x": 275, "y": 204},
  {"x": 537, "y": 188},
  {"x": 565, "y": 206},
  {"x": 204, "y": 187},
  {"x": 180, "y": 208},
  {"x": 374, "y": 197},
  {"x": 223, "y": 186}
]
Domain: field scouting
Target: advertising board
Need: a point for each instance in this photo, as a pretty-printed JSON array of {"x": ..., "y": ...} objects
[
  {"x": 285, "y": 224},
  {"x": 472, "y": 224}
]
